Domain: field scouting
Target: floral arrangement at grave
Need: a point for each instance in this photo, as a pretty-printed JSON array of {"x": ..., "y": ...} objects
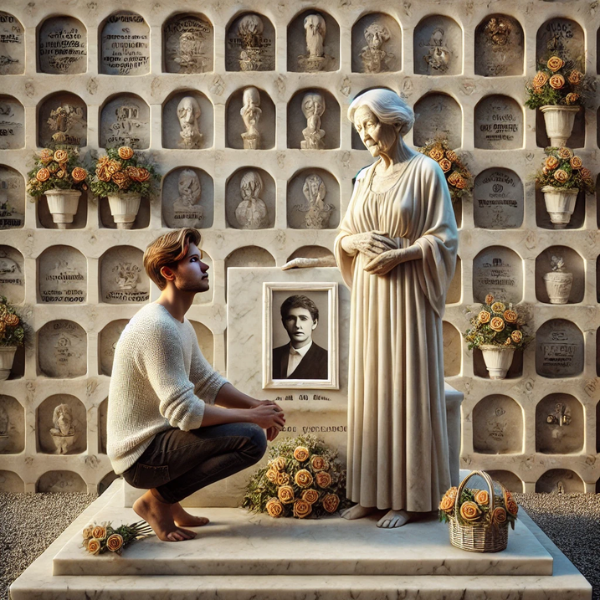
[
  {"x": 98, "y": 539},
  {"x": 458, "y": 176},
  {"x": 564, "y": 170},
  {"x": 12, "y": 327},
  {"x": 57, "y": 170},
  {"x": 302, "y": 478}
]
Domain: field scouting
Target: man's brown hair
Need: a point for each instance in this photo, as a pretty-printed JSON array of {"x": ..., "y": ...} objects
[{"x": 166, "y": 251}]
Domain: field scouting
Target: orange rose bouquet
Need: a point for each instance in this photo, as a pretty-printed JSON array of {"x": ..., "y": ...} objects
[
  {"x": 56, "y": 170},
  {"x": 303, "y": 478},
  {"x": 564, "y": 170},
  {"x": 98, "y": 539},
  {"x": 12, "y": 327}
]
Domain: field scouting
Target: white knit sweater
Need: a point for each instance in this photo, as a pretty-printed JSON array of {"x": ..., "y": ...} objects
[{"x": 160, "y": 380}]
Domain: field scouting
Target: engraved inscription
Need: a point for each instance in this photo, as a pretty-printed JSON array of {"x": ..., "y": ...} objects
[
  {"x": 498, "y": 199},
  {"x": 188, "y": 45},
  {"x": 499, "y": 123},
  {"x": 62, "y": 46},
  {"x": 125, "y": 122},
  {"x": 497, "y": 271},
  {"x": 12, "y": 50},
  {"x": 12, "y": 119},
  {"x": 125, "y": 45}
]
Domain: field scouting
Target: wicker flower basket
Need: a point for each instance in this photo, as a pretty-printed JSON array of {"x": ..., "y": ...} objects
[{"x": 478, "y": 537}]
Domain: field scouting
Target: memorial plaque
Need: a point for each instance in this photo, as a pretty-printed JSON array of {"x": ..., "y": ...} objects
[
  {"x": 250, "y": 199},
  {"x": 452, "y": 350},
  {"x": 248, "y": 256},
  {"x": 125, "y": 43},
  {"x": 62, "y": 46},
  {"x": 12, "y": 198},
  {"x": 313, "y": 42},
  {"x": 107, "y": 344},
  {"x": 499, "y": 47},
  {"x": 206, "y": 340},
  {"x": 438, "y": 115},
  {"x": 188, "y": 121},
  {"x": 12, "y": 48},
  {"x": 124, "y": 121},
  {"x": 264, "y": 125},
  {"x": 62, "y": 351},
  {"x": 102, "y": 429},
  {"x": 250, "y": 44},
  {"x": 559, "y": 425},
  {"x": 498, "y": 271},
  {"x": 564, "y": 37},
  {"x": 12, "y": 275},
  {"x": 376, "y": 44},
  {"x": 56, "y": 482},
  {"x": 498, "y": 123},
  {"x": 310, "y": 110},
  {"x": 559, "y": 349},
  {"x": 438, "y": 47},
  {"x": 62, "y": 121},
  {"x": 508, "y": 479},
  {"x": 12, "y": 426},
  {"x": 12, "y": 120},
  {"x": 559, "y": 481},
  {"x": 188, "y": 44},
  {"x": 188, "y": 198},
  {"x": 123, "y": 279},
  {"x": 498, "y": 199},
  {"x": 498, "y": 426},
  {"x": 62, "y": 276},
  {"x": 58, "y": 417}
]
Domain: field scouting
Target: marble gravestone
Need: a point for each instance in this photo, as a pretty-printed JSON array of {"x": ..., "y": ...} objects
[
  {"x": 559, "y": 349},
  {"x": 559, "y": 427},
  {"x": 12, "y": 47},
  {"x": 12, "y": 275},
  {"x": 188, "y": 44},
  {"x": 63, "y": 349},
  {"x": 12, "y": 198},
  {"x": 437, "y": 115},
  {"x": 125, "y": 45},
  {"x": 499, "y": 123},
  {"x": 561, "y": 36},
  {"x": 123, "y": 279},
  {"x": 125, "y": 121},
  {"x": 62, "y": 46},
  {"x": 498, "y": 426},
  {"x": 438, "y": 46},
  {"x": 12, "y": 426},
  {"x": 63, "y": 276},
  {"x": 498, "y": 199},
  {"x": 498, "y": 271},
  {"x": 499, "y": 43},
  {"x": 12, "y": 119}
]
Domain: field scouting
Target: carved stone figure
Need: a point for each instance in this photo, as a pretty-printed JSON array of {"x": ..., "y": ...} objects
[
  {"x": 374, "y": 58},
  {"x": 63, "y": 432},
  {"x": 315, "y": 60},
  {"x": 187, "y": 209},
  {"x": 250, "y": 30},
  {"x": 497, "y": 31},
  {"x": 128, "y": 276},
  {"x": 439, "y": 55},
  {"x": 69, "y": 124},
  {"x": 251, "y": 212},
  {"x": 317, "y": 211},
  {"x": 188, "y": 113},
  {"x": 251, "y": 113},
  {"x": 313, "y": 107}
]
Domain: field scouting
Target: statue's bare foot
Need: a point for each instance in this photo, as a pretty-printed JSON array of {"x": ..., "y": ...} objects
[
  {"x": 357, "y": 512},
  {"x": 393, "y": 519},
  {"x": 159, "y": 517},
  {"x": 183, "y": 518}
]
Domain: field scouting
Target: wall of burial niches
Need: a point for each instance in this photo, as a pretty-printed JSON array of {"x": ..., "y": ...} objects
[{"x": 121, "y": 77}]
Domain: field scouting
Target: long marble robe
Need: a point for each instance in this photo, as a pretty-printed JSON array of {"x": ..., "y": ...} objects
[{"x": 397, "y": 436}]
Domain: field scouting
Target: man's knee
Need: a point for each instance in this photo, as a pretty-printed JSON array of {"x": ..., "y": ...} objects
[{"x": 258, "y": 440}]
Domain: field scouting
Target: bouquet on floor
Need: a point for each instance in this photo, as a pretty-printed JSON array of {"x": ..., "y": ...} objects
[
  {"x": 98, "y": 539},
  {"x": 302, "y": 478}
]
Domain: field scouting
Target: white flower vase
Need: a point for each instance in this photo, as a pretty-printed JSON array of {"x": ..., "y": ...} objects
[
  {"x": 497, "y": 360},
  {"x": 559, "y": 123},
  {"x": 558, "y": 286},
  {"x": 7, "y": 355},
  {"x": 124, "y": 208},
  {"x": 560, "y": 204},
  {"x": 62, "y": 204}
]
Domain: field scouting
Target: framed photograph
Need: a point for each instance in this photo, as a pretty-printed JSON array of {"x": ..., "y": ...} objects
[{"x": 300, "y": 336}]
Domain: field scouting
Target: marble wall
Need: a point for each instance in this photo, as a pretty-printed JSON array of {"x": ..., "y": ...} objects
[{"x": 268, "y": 93}]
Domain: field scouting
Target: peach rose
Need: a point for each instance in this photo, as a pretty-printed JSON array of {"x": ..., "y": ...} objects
[
  {"x": 561, "y": 176},
  {"x": 301, "y": 453},
  {"x": 510, "y": 316},
  {"x": 323, "y": 479},
  {"x": 497, "y": 324},
  {"x": 508, "y": 342},
  {"x": 516, "y": 336},
  {"x": 113, "y": 166},
  {"x": 142, "y": 175},
  {"x": 132, "y": 172},
  {"x": 484, "y": 316},
  {"x": 512, "y": 507},
  {"x": 121, "y": 180},
  {"x": 99, "y": 532},
  {"x": 42, "y": 175},
  {"x": 445, "y": 164},
  {"x": 46, "y": 155},
  {"x": 451, "y": 155},
  {"x": 103, "y": 174},
  {"x": 576, "y": 163},
  {"x": 469, "y": 511},
  {"x": 103, "y": 161},
  {"x": 283, "y": 478},
  {"x": 489, "y": 299},
  {"x": 482, "y": 498},
  {"x": 78, "y": 174},
  {"x": 318, "y": 463},
  {"x": 557, "y": 82},
  {"x": 87, "y": 532},
  {"x": 125, "y": 152},
  {"x": 540, "y": 79},
  {"x": 575, "y": 77},
  {"x": 572, "y": 98},
  {"x": 61, "y": 156},
  {"x": 461, "y": 184},
  {"x": 53, "y": 167},
  {"x": 11, "y": 320},
  {"x": 437, "y": 153},
  {"x": 302, "y": 509},
  {"x": 565, "y": 153},
  {"x": 555, "y": 63},
  {"x": 499, "y": 516},
  {"x": 551, "y": 162},
  {"x": 303, "y": 478},
  {"x": 585, "y": 173},
  {"x": 310, "y": 496},
  {"x": 115, "y": 542},
  {"x": 447, "y": 504},
  {"x": 271, "y": 475},
  {"x": 331, "y": 502},
  {"x": 2, "y": 326},
  {"x": 286, "y": 494},
  {"x": 274, "y": 508},
  {"x": 452, "y": 492},
  {"x": 498, "y": 307},
  {"x": 93, "y": 546},
  {"x": 454, "y": 178},
  {"x": 279, "y": 463}
]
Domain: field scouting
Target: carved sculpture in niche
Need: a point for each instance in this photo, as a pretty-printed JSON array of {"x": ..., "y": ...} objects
[
  {"x": 123, "y": 279},
  {"x": 375, "y": 58},
  {"x": 125, "y": 45},
  {"x": 317, "y": 211},
  {"x": 69, "y": 124},
  {"x": 498, "y": 199},
  {"x": 250, "y": 32},
  {"x": 63, "y": 432},
  {"x": 125, "y": 122},
  {"x": 12, "y": 119},
  {"x": 251, "y": 212},
  {"x": 316, "y": 59},
  {"x": 313, "y": 107},
  {"x": 12, "y": 50},
  {"x": 251, "y": 114},
  {"x": 438, "y": 57},
  {"x": 12, "y": 198},
  {"x": 187, "y": 209},
  {"x": 188, "y": 113},
  {"x": 437, "y": 46},
  {"x": 62, "y": 46},
  {"x": 499, "y": 47},
  {"x": 188, "y": 45}
]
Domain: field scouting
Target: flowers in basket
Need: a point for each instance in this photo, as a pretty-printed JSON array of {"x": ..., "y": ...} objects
[
  {"x": 303, "y": 477},
  {"x": 56, "y": 170},
  {"x": 12, "y": 329},
  {"x": 98, "y": 539},
  {"x": 563, "y": 170}
]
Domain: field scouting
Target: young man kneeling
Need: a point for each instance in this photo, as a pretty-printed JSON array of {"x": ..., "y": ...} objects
[{"x": 166, "y": 433}]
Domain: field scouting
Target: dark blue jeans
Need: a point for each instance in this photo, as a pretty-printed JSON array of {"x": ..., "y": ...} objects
[{"x": 177, "y": 463}]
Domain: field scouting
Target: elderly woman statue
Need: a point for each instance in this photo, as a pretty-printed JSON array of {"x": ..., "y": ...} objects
[{"x": 397, "y": 252}]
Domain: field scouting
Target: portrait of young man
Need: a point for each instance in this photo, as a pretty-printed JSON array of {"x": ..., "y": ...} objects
[
  {"x": 301, "y": 358},
  {"x": 174, "y": 424}
]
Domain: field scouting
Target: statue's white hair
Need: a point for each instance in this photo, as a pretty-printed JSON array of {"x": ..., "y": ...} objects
[{"x": 387, "y": 106}]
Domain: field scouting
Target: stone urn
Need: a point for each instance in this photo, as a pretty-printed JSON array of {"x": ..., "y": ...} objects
[
  {"x": 560, "y": 204},
  {"x": 497, "y": 359},
  {"x": 558, "y": 282},
  {"x": 7, "y": 355},
  {"x": 559, "y": 123},
  {"x": 124, "y": 208},
  {"x": 63, "y": 206}
]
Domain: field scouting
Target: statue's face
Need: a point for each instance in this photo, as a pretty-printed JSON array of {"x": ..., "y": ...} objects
[
  {"x": 251, "y": 97},
  {"x": 187, "y": 112},
  {"x": 379, "y": 138},
  {"x": 313, "y": 186},
  {"x": 376, "y": 40},
  {"x": 313, "y": 24},
  {"x": 318, "y": 104}
]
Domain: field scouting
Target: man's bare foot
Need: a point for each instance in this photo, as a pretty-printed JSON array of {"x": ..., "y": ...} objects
[
  {"x": 183, "y": 518},
  {"x": 159, "y": 517},
  {"x": 357, "y": 512},
  {"x": 393, "y": 519}
]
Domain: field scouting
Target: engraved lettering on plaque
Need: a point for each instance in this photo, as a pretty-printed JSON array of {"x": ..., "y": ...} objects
[
  {"x": 563, "y": 37},
  {"x": 11, "y": 274},
  {"x": 125, "y": 122},
  {"x": 12, "y": 119},
  {"x": 499, "y": 123},
  {"x": 125, "y": 45},
  {"x": 498, "y": 271},
  {"x": 12, "y": 49},
  {"x": 498, "y": 199},
  {"x": 188, "y": 45},
  {"x": 62, "y": 46},
  {"x": 559, "y": 349},
  {"x": 12, "y": 201},
  {"x": 62, "y": 276}
]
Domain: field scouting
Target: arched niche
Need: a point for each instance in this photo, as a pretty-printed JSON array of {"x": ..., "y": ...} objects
[
  {"x": 12, "y": 274},
  {"x": 62, "y": 349},
  {"x": 62, "y": 46},
  {"x": 188, "y": 121},
  {"x": 12, "y": 198},
  {"x": 559, "y": 349},
  {"x": 240, "y": 136},
  {"x": 438, "y": 114},
  {"x": 62, "y": 276},
  {"x": 54, "y": 482},
  {"x": 498, "y": 270},
  {"x": 61, "y": 425},
  {"x": 376, "y": 44},
  {"x": 188, "y": 44},
  {"x": 248, "y": 256},
  {"x": 498, "y": 426},
  {"x": 107, "y": 343},
  {"x": 62, "y": 121},
  {"x": 542, "y": 217},
  {"x": 250, "y": 43},
  {"x": 498, "y": 199},
  {"x": 12, "y": 425},
  {"x": 437, "y": 49},
  {"x": 564, "y": 37},
  {"x": 454, "y": 293},
  {"x": 102, "y": 426},
  {"x": 313, "y": 200},
  {"x": 499, "y": 123},
  {"x": 125, "y": 121},
  {"x": 559, "y": 481},
  {"x": 206, "y": 340},
  {"x": 559, "y": 425},
  {"x": 499, "y": 47},
  {"x": 311, "y": 252},
  {"x": 576, "y": 139},
  {"x": 549, "y": 282},
  {"x": 250, "y": 199},
  {"x": 124, "y": 45},
  {"x": 11, "y": 483},
  {"x": 123, "y": 279},
  {"x": 12, "y": 46},
  {"x": 452, "y": 350},
  {"x": 508, "y": 479},
  {"x": 207, "y": 297},
  {"x": 313, "y": 42},
  {"x": 188, "y": 198},
  {"x": 12, "y": 123},
  {"x": 302, "y": 107},
  {"x": 105, "y": 482}
]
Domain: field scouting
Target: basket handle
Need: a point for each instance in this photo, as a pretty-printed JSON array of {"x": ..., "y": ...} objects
[{"x": 486, "y": 478}]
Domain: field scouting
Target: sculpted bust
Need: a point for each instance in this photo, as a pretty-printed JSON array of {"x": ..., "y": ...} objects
[
  {"x": 251, "y": 113},
  {"x": 313, "y": 107},
  {"x": 187, "y": 209},
  {"x": 251, "y": 212},
  {"x": 315, "y": 30},
  {"x": 188, "y": 113},
  {"x": 373, "y": 55},
  {"x": 63, "y": 432}
]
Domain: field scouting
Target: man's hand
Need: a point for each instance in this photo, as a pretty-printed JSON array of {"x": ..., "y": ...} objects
[
  {"x": 272, "y": 433},
  {"x": 267, "y": 415},
  {"x": 371, "y": 244}
]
